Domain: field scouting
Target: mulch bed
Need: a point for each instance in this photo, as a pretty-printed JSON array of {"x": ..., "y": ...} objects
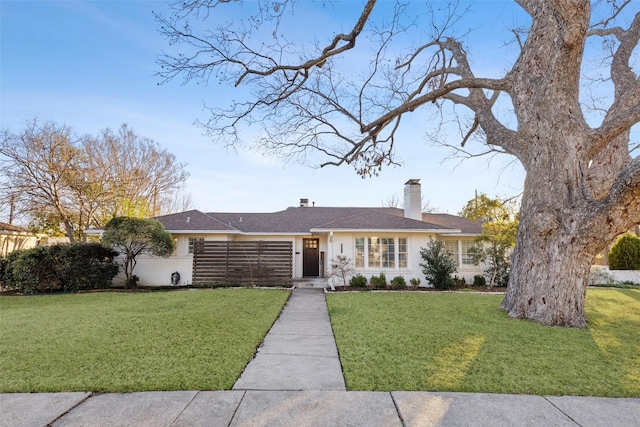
[{"x": 456, "y": 288}]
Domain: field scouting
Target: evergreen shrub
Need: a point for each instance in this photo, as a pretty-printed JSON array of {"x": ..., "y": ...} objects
[
  {"x": 479, "y": 280},
  {"x": 398, "y": 282},
  {"x": 358, "y": 281},
  {"x": 379, "y": 282},
  {"x": 625, "y": 253},
  {"x": 438, "y": 265},
  {"x": 59, "y": 268}
]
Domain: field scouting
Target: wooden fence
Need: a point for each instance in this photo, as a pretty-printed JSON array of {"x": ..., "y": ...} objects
[{"x": 252, "y": 263}]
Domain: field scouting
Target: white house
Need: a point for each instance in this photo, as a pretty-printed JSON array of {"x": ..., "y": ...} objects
[{"x": 382, "y": 239}]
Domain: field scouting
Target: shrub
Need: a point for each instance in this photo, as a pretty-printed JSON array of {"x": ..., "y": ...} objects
[
  {"x": 415, "y": 282},
  {"x": 625, "y": 253},
  {"x": 459, "y": 281},
  {"x": 86, "y": 266},
  {"x": 132, "y": 282},
  {"x": 398, "y": 282},
  {"x": 479, "y": 280},
  {"x": 438, "y": 265},
  {"x": 358, "y": 281},
  {"x": 68, "y": 267},
  {"x": 33, "y": 271},
  {"x": 6, "y": 274},
  {"x": 379, "y": 282}
]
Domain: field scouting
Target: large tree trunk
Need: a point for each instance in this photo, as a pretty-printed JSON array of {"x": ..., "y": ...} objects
[{"x": 552, "y": 259}]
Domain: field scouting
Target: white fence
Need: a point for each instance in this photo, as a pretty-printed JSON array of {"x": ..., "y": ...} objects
[{"x": 603, "y": 276}]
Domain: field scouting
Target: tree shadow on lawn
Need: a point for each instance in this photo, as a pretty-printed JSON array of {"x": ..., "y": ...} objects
[{"x": 466, "y": 344}]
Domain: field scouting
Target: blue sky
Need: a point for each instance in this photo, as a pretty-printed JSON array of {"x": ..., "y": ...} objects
[{"x": 91, "y": 65}]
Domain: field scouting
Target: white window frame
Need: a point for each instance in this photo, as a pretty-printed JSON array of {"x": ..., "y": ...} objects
[
  {"x": 466, "y": 259},
  {"x": 363, "y": 244},
  {"x": 191, "y": 243},
  {"x": 461, "y": 254},
  {"x": 453, "y": 244}
]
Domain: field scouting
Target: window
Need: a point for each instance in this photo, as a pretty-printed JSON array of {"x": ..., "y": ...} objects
[
  {"x": 460, "y": 251},
  {"x": 467, "y": 259},
  {"x": 192, "y": 241},
  {"x": 402, "y": 252},
  {"x": 311, "y": 243},
  {"x": 381, "y": 252},
  {"x": 452, "y": 246},
  {"x": 360, "y": 252}
]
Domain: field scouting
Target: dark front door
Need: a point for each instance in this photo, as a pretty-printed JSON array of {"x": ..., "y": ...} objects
[{"x": 311, "y": 258}]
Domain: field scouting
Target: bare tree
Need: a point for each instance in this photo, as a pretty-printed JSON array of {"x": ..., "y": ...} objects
[
  {"x": 37, "y": 165},
  {"x": 394, "y": 201},
  {"x": 138, "y": 177},
  {"x": 51, "y": 176},
  {"x": 582, "y": 185}
]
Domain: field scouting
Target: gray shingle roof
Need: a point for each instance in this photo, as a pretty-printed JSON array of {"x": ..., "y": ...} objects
[
  {"x": 371, "y": 219},
  {"x": 301, "y": 220},
  {"x": 193, "y": 220},
  {"x": 465, "y": 225}
]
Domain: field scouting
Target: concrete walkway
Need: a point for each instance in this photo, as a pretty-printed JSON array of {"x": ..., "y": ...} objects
[
  {"x": 296, "y": 380},
  {"x": 299, "y": 352}
]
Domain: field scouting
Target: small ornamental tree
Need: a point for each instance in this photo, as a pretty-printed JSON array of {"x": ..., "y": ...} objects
[
  {"x": 625, "y": 253},
  {"x": 134, "y": 236},
  {"x": 495, "y": 244},
  {"x": 438, "y": 265},
  {"x": 342, "y": 269}
]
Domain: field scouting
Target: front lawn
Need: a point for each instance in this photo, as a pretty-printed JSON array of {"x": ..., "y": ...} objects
[
  {"x": 120, "y": 342},
  {"x": 464, "y": 343}
]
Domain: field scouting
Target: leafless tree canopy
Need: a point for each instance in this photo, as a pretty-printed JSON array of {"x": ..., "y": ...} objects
[
  {"x": 340, "y": 97},
  {"x": 51, "y": 176}
]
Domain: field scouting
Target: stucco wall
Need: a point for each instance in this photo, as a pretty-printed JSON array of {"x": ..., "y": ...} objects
[
  {"x": 601, "y": 275},
  {"x": 156, "y": 271},
  {"x": 344, "y": 243},
  {"x": 13, "y": 242}
]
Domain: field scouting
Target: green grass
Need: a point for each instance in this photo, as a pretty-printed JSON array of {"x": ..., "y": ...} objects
[
  {"x": 120, "y": 342},
  {"x": 464, "y": 343}
]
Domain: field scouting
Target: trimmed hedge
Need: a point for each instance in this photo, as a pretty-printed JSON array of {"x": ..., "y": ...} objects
[{"x": 59, "y": 268}]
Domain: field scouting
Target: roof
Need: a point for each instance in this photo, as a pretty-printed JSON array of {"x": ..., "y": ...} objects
[
  {"x": 466, "y": 226},
  {"x": 10, "y": 227},
  {"x": 193, "y": 221},
  {"x": 375, "y": 220},
  {"x": 305, "y": 219}
]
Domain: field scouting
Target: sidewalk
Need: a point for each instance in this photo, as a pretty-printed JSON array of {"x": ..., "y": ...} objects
[
  {"x": 299, "y": 352},
  {"x": 296, "y": 380}
]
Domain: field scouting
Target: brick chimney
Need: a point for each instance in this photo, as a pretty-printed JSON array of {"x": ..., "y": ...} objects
[{"x": 413, "y": 199}]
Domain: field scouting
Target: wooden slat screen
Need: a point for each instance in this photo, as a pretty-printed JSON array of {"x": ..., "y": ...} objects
[{"x": 253, "y": 263}]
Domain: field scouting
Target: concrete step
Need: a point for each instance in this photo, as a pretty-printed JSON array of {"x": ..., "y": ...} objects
[{"x": 314, "y": 283}]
